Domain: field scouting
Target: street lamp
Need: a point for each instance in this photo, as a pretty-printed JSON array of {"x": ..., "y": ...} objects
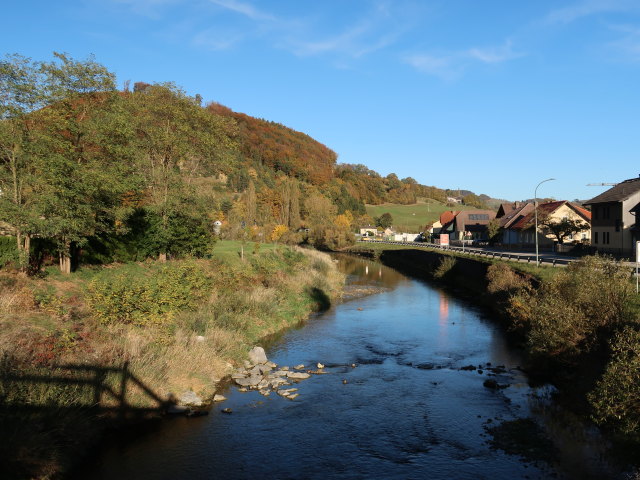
[{"x": 535, "y": 209}]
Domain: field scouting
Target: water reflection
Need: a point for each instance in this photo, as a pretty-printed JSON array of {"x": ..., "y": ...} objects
[{"x": 408, "y": 410}]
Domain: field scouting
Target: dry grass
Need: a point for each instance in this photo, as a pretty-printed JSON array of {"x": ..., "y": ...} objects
[{"x": 46, "y": 321}]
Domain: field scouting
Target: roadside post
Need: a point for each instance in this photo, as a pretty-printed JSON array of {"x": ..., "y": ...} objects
[{"x": 637, "y": 262}]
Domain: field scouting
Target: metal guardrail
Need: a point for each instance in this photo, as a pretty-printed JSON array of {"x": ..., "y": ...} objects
[{"x": 528, "y": 258}]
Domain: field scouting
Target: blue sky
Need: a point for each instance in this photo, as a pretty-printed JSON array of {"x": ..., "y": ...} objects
[{"x": 491, "y": 96}]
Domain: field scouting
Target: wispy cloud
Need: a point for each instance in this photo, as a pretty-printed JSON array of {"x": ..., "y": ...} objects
[
  {"x": 316, "y": 32},
  {"x": 499, "y": 54},
  {"x": 445, "y": 67},
  {"x": 244, "y": 8},
  {"x": 355, "y": 42},
  {"x": 627, "y": 47},
  {"x": 374, "y": 30},
  {"x": 146, "y": 8},
  {"x": 215, "y": 39},
  {"x": 452, "y": 65},
  {"x": 587, "y": 8}
]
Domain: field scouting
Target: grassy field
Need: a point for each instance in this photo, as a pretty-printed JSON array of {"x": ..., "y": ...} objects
[
  {"x": 412, "y": 218},
  {"x": 230, "y": 250}
]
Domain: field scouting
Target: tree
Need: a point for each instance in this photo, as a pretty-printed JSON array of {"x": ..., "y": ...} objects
[
  {"x": 384, "y": 221},
  {"x": 84, "y": 155},
  {"x": 473, "y": 200},
  {"x": 565, "y": 227},
  {"x": 54, "y": 139},
  {"x": 176, "y": 137},
  {"x": 21, "y": 94},
  {"x": 320, "y": 210},
  {"x": 289, "y": 203},
  {"x": 494, "y": 230},
  {"x": 250, "y": 200}
]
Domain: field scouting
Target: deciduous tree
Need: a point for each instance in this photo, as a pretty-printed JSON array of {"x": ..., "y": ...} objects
[{"x": 561, "y": 229}]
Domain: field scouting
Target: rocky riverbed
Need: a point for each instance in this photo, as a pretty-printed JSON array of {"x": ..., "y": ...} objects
[{"x": 267, "y": 377}]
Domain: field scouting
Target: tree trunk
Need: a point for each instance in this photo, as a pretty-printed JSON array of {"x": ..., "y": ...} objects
[
  {"x": 24, "y": 249},
  {"x": 65, "y": 259}
]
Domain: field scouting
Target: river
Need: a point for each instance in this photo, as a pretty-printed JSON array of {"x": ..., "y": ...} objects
[{"x": 407, "y": 410}]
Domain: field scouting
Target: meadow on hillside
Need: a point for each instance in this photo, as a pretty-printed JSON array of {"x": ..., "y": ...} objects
[{"x": 412, "y": 218}]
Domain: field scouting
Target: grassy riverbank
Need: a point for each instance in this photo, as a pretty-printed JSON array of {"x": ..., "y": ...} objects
[
  {"x": 178, "y": 326},
  {"x": 579, "y": 326}
]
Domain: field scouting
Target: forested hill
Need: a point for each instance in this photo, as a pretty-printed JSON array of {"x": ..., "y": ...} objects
[
  {"x": 280, "y": 148},
  {"x": 88, "y": 170}
]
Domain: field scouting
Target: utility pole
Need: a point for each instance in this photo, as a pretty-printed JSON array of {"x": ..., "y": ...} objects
[{"x": 535, "y": 209}]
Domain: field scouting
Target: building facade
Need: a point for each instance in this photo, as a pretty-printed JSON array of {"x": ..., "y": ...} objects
[{"x": 614, "y": 224}]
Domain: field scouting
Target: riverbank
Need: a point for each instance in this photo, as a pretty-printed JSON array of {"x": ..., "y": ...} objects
[
  {"x": 118, "y": 344},
  {"x": 579, "y": 327}
]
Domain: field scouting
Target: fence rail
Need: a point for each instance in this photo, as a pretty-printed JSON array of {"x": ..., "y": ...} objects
[{"x": 517, "y": 257}]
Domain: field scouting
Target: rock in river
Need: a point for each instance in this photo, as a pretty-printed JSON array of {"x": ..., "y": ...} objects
[
  {"x": 298, "y": 375},
  {"x": 251, "y": 381},
  {"x": 190, "y": 398},
  {"x": 257, "y": 356}
]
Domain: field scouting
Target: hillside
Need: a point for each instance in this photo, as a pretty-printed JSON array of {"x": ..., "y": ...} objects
[
  {"x": 412, "y": 218},
  {"x": 97, "y": 175}
]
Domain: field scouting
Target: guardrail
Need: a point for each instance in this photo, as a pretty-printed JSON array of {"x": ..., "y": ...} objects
[{"x": 528, "y": 258}]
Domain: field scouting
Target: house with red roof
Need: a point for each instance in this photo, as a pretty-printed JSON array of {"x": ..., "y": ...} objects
[
  {"x": 470, "y": 224},
  {"x": 508, "y": 215},
  {"x": 519, "y": 225},
  {"x": 616, "y": 227}
]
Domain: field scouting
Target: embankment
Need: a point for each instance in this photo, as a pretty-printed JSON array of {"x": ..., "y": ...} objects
[
  {"x": 114, "y": 345},
  {"x": 579, "y": 326}
]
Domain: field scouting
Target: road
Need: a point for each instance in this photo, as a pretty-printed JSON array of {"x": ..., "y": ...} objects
[{"x": 547, "y": 258}]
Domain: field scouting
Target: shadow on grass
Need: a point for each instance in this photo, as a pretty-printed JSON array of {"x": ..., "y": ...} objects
[{"x": 49, "y": 417}]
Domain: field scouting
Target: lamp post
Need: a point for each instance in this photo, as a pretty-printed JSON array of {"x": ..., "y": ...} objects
[{"x": 535, "y": 210}]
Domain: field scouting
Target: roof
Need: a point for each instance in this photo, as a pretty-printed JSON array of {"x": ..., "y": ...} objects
[
  {"x": 448, "y": 216},
  {"x": 516, "y": 214},
  {"x": 527, "y": 221},
  {"x": 507, "y": 208},
  {"x": 467, "y": 218},
  {"x": 620, "y": 192}
]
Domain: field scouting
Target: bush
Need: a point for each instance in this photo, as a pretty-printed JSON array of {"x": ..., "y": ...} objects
[
  {"x": 502, "y": 278},
  {"x": 576, "y": 309},
  {"x": 446, "y": 264},
  {"x": 331, "y": 238},
  {"x": 8, "y": 251},
  {"x": 616, "y": 399},
  {"x": 140, "y": 297}
]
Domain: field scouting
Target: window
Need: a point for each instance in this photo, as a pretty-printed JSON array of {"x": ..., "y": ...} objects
[
  {"x": 605, "y": 238},
  {"x": 605, "y": 213},
  {"x": 595, "y": 237},
  {"x": 478, "y": 216},
  {"x": 596, "y": 210},
  {"x": 618, "y": 223}
]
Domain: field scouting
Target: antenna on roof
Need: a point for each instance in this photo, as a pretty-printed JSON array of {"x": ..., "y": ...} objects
[{"x": 601, "y": 184}]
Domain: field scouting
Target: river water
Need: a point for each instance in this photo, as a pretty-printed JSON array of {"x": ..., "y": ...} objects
[{"x": 407, "y": 410}]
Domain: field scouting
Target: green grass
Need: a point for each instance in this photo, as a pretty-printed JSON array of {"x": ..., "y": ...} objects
[
  {"x": 229, "y": 250},
  {"x": 412, "y": 218}
]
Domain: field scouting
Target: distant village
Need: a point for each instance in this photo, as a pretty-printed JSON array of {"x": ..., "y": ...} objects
[{"x": 609, "y": 225}]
